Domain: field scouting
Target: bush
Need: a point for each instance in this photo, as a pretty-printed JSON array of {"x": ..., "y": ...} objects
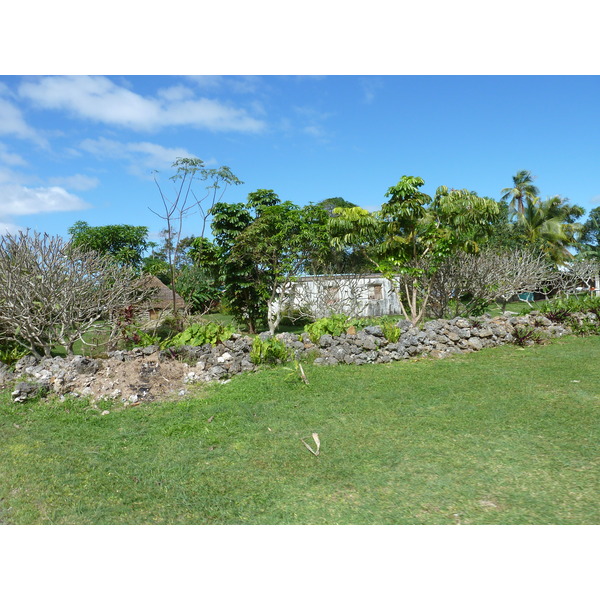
[
  {"x": 269, "y": 351},
  {"x": 561, "y": 310},
  {"x": 61, "y": 292},
  {"x": 334, "y": 325},
  {"x": 584, "y": 327},
  {"x": 199, "y": 334},
  {"x": 526, "y": 335},
  {"x": 198, "y": 290},
  {"x": 11, "y": 352},
  {"x": 390, "y": 331}
]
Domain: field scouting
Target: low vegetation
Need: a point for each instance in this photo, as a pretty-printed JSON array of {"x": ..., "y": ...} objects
[{"x": 502, "y": 436}]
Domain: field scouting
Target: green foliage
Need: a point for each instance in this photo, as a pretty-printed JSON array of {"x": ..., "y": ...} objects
[
  {"x": 200, "y": 291},
  {"x": 569, "y": 311},
  {"x": 258, "y": 247},
  {"x": 524, "y": 335},
  {"x": 545, "y": 224},
  {"x": 584, "y": 327},
  {"x": 522, "y": 190},
  {"x": 590, "y": 235},
  {"x": 160, "y": 268},
  {"x": 270, "y": 351},
  {"x": 561, "y": 310},
  {"x": 11, "y": 352},
  {"x": 126, "y": 243},
  {"x": 334, "y": 325},
  {"x": 337, "y": 324},
  {"x": 330, "y": 204},
  {"x": 390, "y": 331},
  {"x": 199, "y": 334},
  {"x": 138, "y": 338},
  {"x": 412, "y": 234}
]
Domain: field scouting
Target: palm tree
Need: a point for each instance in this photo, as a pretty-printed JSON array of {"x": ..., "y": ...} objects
[
  {"x": 522, "y": 190},
  {"x": 542, "y": 223}
]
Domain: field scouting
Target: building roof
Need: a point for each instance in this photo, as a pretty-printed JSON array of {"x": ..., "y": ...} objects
[{"x": 163, "y": 297}]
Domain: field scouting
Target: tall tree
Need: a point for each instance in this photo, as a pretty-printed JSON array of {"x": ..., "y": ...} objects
[
  {"x": 409, "y": 237},
  {"x": 280, "y": 243},
  {"x": 125, "y": 243},
  {"x": 259, "y": 248},
  {"x": 184, "y": 200},
  {"x": 521, "y": 190},
  {"x": 330, "y": 204},
  {"x": 236, "y": 275},
  {"x": 545, "y": 225},
  {"x": 590, "y": 235}
]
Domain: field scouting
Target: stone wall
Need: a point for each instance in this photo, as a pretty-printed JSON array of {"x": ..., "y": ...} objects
[{"x": 148, "y": 373}]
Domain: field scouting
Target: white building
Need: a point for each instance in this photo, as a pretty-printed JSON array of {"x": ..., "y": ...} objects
[{"x": 366, "y": 295}]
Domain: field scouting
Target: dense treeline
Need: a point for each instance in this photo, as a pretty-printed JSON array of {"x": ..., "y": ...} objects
[{"x": 256, "y": 249}]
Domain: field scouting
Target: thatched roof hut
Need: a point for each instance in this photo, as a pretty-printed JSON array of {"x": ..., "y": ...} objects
[{"x": 161, "y": 297}]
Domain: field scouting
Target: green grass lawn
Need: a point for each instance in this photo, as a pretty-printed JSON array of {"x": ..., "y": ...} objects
[{"x": 502, "y": 436}]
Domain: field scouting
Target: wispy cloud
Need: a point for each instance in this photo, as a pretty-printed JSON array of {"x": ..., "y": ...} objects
[
  {"x": 13, "y": 123},
  {"x": 99, "y": 99},
  {"x": 314, "y": 130},
  {"x": 142, "y": 157},
  {"x": 10, "y": 158},
  {"x": 370, "y": 87},
  {"x": 243, "y": 84},
  {"x": 77, "y": 182},
  {"x": 596, "y": 199},
  {"x": 313, "y": 121}
]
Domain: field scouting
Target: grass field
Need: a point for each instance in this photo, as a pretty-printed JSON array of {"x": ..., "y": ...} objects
[{"x": 502, "y": 436}]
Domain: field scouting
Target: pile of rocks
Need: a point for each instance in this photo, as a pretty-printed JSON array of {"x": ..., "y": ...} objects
[
  {"x": 438, "y": 338},
  {"x": 148, "y": 373}
]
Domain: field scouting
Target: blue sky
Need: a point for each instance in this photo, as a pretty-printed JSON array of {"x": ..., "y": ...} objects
[{"x": 84, "y": 147}]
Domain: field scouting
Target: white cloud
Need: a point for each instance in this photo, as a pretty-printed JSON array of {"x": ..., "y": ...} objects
[
  {"x": 243, "y": 84},
  {"x": 175, "y": 93},
  {"x": 9, "y": 228},
  {"x": 142, "y": 157},
  {"x": 21, "y": 200},
  {"x": 9, "y": 158},
  {"x": 76, "y": 182},
  {"x": 13, "y": 123},
  {"x": 596, "y": 199},
  {"x": 100, "y": 99}
]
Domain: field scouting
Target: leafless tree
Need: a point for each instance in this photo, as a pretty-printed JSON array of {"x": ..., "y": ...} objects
[
  {"x": 577, "y": 276},
  {"x": 465, "y": 279},
  {"x": 185, "y": 201},
  {"x": 51, "y": 293}
]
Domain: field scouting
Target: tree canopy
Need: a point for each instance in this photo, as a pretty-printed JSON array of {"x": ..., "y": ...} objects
[{"x": 125, "y": 243}]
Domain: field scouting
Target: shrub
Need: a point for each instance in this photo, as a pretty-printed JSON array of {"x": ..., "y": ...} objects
[
  {"x": 390, "y": 331},
  {"x": 337, "y": 324},
  {"x": 62, "y": 292},
  {"x": 584, "y": 327},
  {"x": 199, "y": 334},
  {"x": 198, "y": 290},
  {"x": 333, "y": 325},
  {"x": 560, "y": 310},
  {"x": 526, "y": 334},
  {"x": 269, "y": 351},
  {"x": 11, "y": 352}
]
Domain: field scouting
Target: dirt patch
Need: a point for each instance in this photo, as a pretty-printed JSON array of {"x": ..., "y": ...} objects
[{"x": 140, "y": 379}]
